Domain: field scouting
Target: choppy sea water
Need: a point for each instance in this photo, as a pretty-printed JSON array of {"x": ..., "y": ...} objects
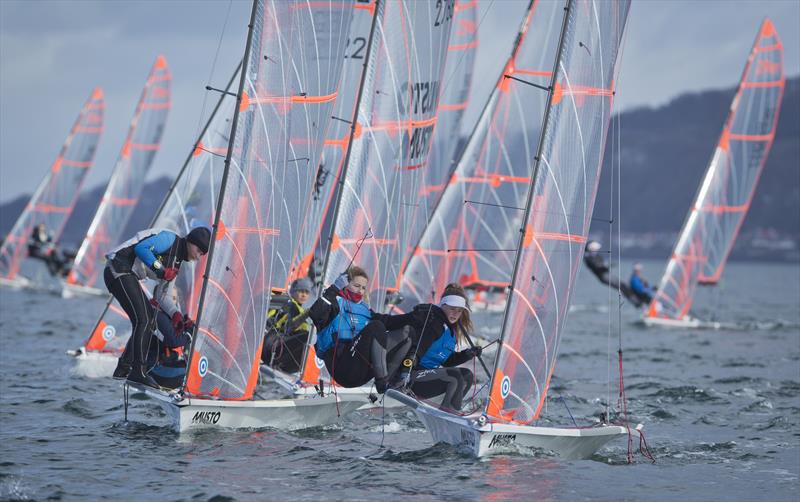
[{"x": 720, "y": 410}]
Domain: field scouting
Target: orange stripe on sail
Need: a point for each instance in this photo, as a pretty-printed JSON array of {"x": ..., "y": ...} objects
[
  {"x": 75, "y": 163},
  {"x": 462, "y": 47},
  {"x": 47, "y": 208},
  {"x": 156, "y": 106},
  {"x": 771, "y": 83},
  {"x": 253, "y": 230},
  {"x": 751, "y": 137},
  {"x": 723, "y": 209},
  {"x": 92, "y": 130},
  {"x": 457, "y": 106},
  {"x": 300, "y": 98},
  {"x": 118, "y": 201},
  {"x": 404, "y": 124}
]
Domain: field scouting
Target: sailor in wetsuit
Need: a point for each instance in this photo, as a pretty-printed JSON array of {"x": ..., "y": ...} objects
[
  {"x": 288, "y": 329},
  {"x": 41, "y": 247},
  {"x": 437, "y": 329},
  {"x": 639, "y": 285},
  {"x": 154, "y": 254},
  {"x": 354, "y": 346},
  {"x": 596, "y": 261}
]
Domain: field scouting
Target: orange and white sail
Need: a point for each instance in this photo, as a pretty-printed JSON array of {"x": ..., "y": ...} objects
[
  {"x": 730, "y": 181},
  {"x": 470, "y": 238},
  {"x": 558, "y": 208},
  {"x": 54, "y": 199},
  {"x": 128, "y": 177},
  {"x": 290, "y": 79},
  {"x": 390, "y": 143}
]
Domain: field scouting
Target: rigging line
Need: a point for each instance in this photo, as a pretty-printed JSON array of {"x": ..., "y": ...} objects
[
  {"x": 528, "y": 83},
  {"x": 213, "y": 66},
  {"x": 464, "y": 53},
  {"x": 480, "y": 357},
  {"x": 493, "y": 205},
  {"x": 221, "y": 91}
]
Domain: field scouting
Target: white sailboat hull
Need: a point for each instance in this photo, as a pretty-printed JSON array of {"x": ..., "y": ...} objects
[
  {"x": 467, "y": 433},
  {"x": 93, "y": 364},
  {"x": 686, "y": 322},
  {"x": 17, "y": 282},
  {"x": 296, "y": 389},
  {"x": 189, "y": 414},
  {"x": 75, "y": 290}
]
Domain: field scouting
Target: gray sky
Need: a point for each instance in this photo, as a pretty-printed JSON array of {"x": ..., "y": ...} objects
[{"x": 52, "y": 53}]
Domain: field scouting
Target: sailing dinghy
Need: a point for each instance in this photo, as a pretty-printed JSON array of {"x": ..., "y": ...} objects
[
  {"x": 126, "y": 184},
  {"x": 386, "y": 147},
  {"x": 726, "y": 192},
  {"x": 554, "y": 228},
  {"x": 53, "y": 201},
  {"x": 291, "y": 72}
]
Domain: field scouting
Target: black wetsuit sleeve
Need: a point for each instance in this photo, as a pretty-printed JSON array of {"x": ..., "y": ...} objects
[
  {"x": 325, "y": 308},
  {"x": 393, "y": 322},
  {"x": 457, "y": 358}
]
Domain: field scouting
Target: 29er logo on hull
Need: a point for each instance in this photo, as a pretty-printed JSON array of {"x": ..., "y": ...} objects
[
  {"x": 502, "y": 440},
  {"x": 206, "y": 417}
]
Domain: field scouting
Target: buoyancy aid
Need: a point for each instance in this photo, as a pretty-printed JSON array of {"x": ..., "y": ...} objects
[
  {"x": 283, "y": 315},
  {"x": 347, "y": 324},
  {"x": 439, "y": 351}
]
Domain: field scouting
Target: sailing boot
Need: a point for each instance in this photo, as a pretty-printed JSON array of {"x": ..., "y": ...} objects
[{"x": 139, "y": 374}]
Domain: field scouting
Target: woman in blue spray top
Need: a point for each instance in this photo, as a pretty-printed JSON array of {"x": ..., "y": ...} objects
[
  {"x": 431, "y": 365},
  {"x": 354, "y": 346}
]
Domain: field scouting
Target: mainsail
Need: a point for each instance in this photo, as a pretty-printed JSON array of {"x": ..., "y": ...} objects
[
  {"x": 190, "y": 202},
  {"x": 471, "y": 236},
  {"x": 128, "y": 177},
  {"x": 456, "y": 84},
  {"x": 292, "y": 68},
  {"x": 727, "y": 189},
  {"x": 53, "y": 201},
  {"x": 558, "y": 209},
  {"x": 390, "y": 143}
]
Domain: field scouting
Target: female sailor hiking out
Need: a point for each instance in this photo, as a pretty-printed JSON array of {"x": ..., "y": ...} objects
[
  {"x": 288, "y": 329},
  {"x": 354, "y": 346},
  {"x": 150, "y": 254},
  {"x": 437, "y": 331}
]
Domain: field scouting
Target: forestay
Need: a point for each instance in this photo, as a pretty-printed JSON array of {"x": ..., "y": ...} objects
[
  {"x": 291, "y": 73},
  {"x": 471, "y": 237},
  {"x": 391, "y": 142},
  {"x": 190, "y": 202},
  {"x": 54, "y": 199},
  {"x": 558, "y": 208},
  {"x": 127, "y": 179},
  {"x": 727, "y": 189}
]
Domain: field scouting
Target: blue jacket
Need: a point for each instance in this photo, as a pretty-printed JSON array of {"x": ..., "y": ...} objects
[
  {"x": 348, "y": 323},
  {"x": 638, "y": 287},
  {"x": 439, "y": 351},
  {"x": 147, "y": 250}
]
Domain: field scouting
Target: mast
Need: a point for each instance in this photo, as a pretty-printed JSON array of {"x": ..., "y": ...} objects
[
  {"x": 378, "y": 11},
  {"x": 226, "y": 170},
  {"x": 534, "y": 176}
]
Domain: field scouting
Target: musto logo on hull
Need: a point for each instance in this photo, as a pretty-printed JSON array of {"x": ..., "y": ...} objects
[{"x": 206, "y": 417}]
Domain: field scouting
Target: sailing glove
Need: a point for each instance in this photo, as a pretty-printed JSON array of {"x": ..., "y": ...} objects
[
  {"x": 475, "y": 351},
  {"x": 170, "y": 273},
  {"x": 342, "y": 281}
]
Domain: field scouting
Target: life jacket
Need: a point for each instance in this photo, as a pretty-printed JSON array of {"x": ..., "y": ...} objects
[
  {"x": 347, "y": 324},
  {"x": 284, "y": 317},
  {"x": 439, "y": 351},
  {"x": 123, "y": 260}
]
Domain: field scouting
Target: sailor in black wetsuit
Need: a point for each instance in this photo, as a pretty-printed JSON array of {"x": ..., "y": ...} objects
[
  {"x": 437, "y": 331},
  {"x": 354, "y": 346},
  {"x": 596, "y": 262},
  {"x": 41, "y": 247},
  {"x": 153, "y": 254}
]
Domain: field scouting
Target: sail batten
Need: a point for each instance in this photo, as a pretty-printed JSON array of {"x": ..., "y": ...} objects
[{"x": 727, "y": 189}]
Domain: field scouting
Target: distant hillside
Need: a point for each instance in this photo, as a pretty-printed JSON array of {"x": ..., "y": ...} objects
[
  {"x": 665, "y": 152},
  {"x": 87, "y": 204}
]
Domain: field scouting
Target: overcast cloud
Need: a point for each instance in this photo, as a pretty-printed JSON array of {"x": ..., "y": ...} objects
[{"x": 52, "y": 53}]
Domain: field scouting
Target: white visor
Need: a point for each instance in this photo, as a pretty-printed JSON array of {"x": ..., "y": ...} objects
[{"x": 455, "y": 301}]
